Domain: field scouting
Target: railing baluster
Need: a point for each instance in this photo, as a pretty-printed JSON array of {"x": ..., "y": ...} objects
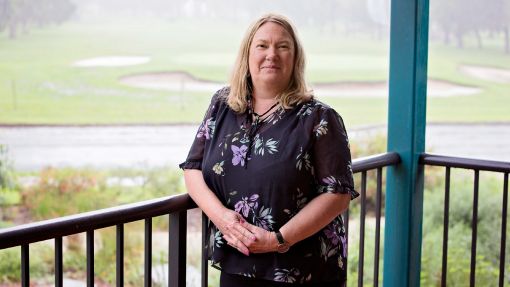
[
  {"x": 378, "y": 199},
  {"x": 147, "y": 281},
  {"x": 205, "y": 248},
  {"x": 177, "y": 250},
  {"x": 59, "y": 281},
  {"x": 90, "y": 258},
  {"x": 362, "y": 228},
  {"x": 446, "y": 223},
  {"x": 346, "y": 224},
  {"x": 503, "y": 232},
  {"x": 25, "y": 265},
  {"x": 120, "y": 255},
  {"x": 474, "y": 225}
]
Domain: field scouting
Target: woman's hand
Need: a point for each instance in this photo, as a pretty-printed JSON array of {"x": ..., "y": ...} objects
[
  {"x": 231, "y": 226},
  {"x": 227, "y": 221},
  {"x": 265, "y": 240}
]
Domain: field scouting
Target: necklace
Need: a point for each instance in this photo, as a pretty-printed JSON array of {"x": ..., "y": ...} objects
[
  {"x": 256, "y": 122},
  {"x": 259, "y": 117}
]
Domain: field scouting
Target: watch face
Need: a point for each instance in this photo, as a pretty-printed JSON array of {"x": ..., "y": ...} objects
[{"x": 284, "y": 247}]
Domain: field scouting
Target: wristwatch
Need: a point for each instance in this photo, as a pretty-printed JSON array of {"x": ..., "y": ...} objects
[{"x": 283, "y": 246}]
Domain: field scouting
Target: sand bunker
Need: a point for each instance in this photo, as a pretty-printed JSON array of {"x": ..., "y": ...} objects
[
  {"x": 181, "y": 81},
  {"x": 115, "y": 61},
  {"x": 435, "y": 88},
  {"x": 496, "y": 75},
  {"x": 170, "y": 81}
]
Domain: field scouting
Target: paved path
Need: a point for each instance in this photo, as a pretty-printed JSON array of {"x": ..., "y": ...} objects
[{"x": 32, "y": 148}]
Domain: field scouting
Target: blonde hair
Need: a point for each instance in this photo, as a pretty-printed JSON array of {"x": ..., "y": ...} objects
[{"x": 240, "y": 81}]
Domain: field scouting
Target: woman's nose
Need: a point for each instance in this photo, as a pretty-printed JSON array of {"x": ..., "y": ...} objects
[{"x": 271, "y": 53}]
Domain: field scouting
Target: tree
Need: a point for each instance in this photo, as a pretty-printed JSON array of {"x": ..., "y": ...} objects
[
  {"x": 4, "y": 8},
  {"x": 20, "y": 15},
  {"x": 458, "y": 18}
]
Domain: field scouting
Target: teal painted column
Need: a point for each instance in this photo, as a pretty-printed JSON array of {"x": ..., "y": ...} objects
[{"x": 406, "y": 135}]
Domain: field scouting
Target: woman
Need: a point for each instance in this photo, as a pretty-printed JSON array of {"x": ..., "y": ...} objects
[{"x": 271, "y": 168}]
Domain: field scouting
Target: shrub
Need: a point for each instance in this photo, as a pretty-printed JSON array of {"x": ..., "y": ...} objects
[
  {"x": 133, "y": 255},
  {"x": 84, "y": 189},
  {"x": 9, "y": 193},
  {"x": 66, "y": 191},
  {"x": 41, "y": 262},
  {"x": 459, "y": 239},
  {"x": 10, "y": 265},
  {"x": 7, "y": 180},
  {"x": 61, "y": 192}
]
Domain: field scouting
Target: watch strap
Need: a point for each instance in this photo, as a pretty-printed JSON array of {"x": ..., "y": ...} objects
[
  {"x": 279, "y": 237},
  {"x": 283, "y": 246}
]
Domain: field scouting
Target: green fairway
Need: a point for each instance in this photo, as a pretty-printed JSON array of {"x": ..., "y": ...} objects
[{"x": 40, "y": 85}]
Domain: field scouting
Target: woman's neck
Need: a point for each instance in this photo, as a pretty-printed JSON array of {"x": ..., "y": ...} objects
[
  {"x": 262, "y": 101},
  {"x": 261, "y": 105}
]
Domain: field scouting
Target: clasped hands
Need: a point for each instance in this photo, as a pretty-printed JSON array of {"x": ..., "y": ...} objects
[{"x": 243, "y": 236}]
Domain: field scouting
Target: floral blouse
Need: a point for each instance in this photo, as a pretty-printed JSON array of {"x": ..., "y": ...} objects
[{"x": 268, "y": 173}]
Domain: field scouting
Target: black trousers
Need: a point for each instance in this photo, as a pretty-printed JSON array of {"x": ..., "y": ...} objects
[{"x": 231, "y": 280}]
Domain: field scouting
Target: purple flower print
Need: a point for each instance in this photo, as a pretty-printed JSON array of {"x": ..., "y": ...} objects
[
  {"x": 263, "y": 223},
  {"x": 332, "y": 234},
  {"x": 344, "y": 245},
  {"x": 330, "y": 180},
  {"x": 239, "y": 154},
  {"x": 243, "y": 206},
  {"x": 263, "y": 219},
  {"x": 331, "y": 184},
  {"x": 206, "y": 129}
]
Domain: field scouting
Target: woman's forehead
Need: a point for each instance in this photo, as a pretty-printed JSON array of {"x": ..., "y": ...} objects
[{"x": 272, "y": 31}]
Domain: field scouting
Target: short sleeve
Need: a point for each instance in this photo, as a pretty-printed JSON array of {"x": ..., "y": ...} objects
[
  {"x": 204, "y": 133},
  {"x": 331, "y": 154}
]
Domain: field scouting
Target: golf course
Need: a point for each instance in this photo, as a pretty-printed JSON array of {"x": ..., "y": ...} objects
[{"x": 162, "y": 72}]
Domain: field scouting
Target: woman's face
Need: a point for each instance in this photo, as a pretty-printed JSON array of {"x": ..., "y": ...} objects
[{"x": 271, "y": 57}]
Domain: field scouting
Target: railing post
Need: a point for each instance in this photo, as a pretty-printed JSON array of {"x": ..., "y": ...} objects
[
  {"x": 406, "y": 135},
  {"x": 59, "y": 271},
  {"x": 120, "y": 256},
  {"x": 177, "y": 250},
  {"x": 205, "y": 248},
  {"x": 25, "y": 265},
  {"x": 90, "y": 257},
  {"x": 147, "y": 281},
  {"x": 361, "y": 256}
]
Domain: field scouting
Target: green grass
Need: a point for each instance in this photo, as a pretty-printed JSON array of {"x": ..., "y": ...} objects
[{"x": 39, "y": 85}]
